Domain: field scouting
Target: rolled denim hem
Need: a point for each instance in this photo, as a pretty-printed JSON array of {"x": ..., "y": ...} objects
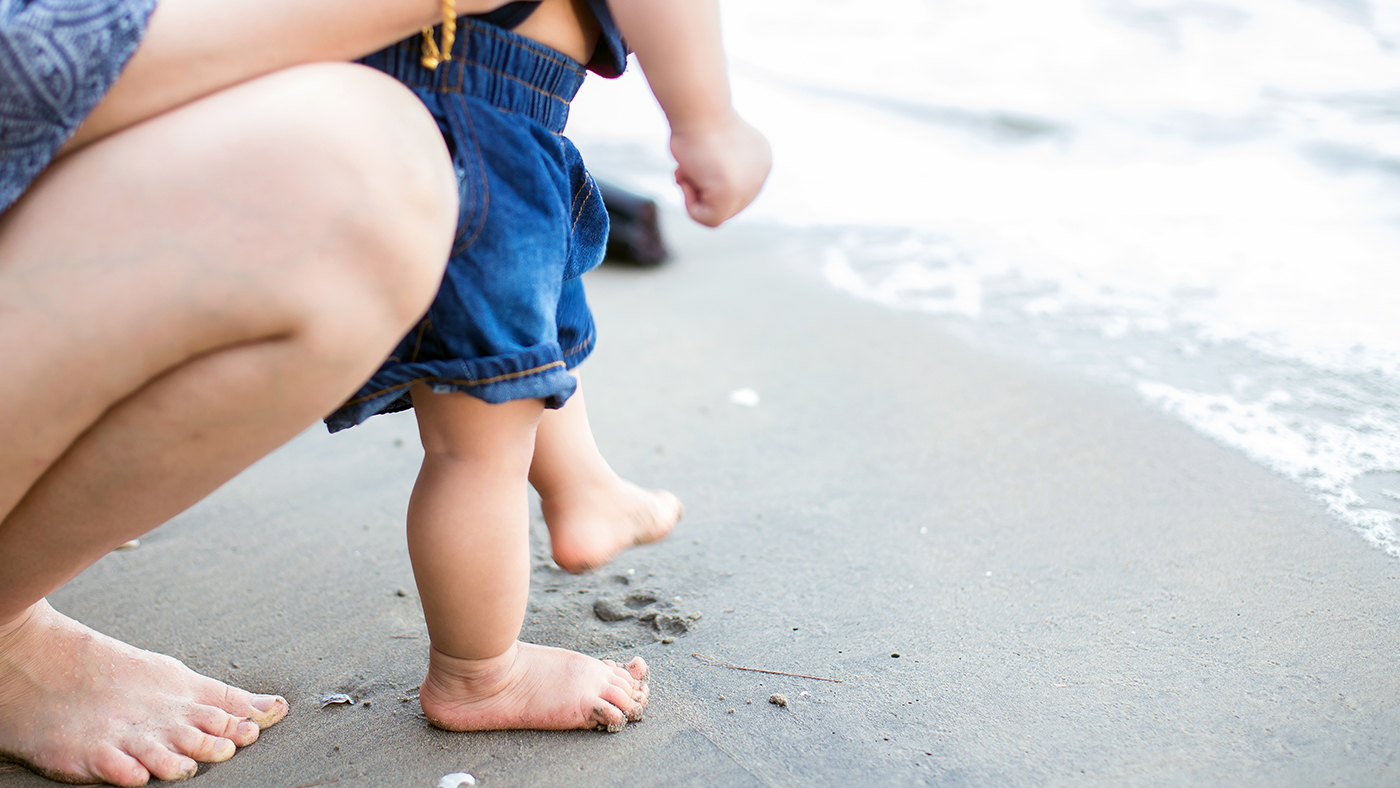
[{"x": 539, "y": 374}]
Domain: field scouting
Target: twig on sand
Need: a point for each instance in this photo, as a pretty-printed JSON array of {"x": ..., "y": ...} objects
[
  {"x": 724, "y": 664},
  {"x": 328, "y": 782}
]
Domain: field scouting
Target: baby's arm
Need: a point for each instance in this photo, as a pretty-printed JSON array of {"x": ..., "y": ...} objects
[{"x": 721, "y": 161}]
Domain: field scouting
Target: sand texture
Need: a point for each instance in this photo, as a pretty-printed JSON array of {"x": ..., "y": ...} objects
[{"x": 1080, "y": 591}]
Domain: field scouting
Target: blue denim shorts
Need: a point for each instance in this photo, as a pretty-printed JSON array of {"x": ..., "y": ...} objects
[{"x": 510, "y": 319}]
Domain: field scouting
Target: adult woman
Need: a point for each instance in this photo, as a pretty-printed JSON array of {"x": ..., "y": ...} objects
[{"x": 227, "y": 247}]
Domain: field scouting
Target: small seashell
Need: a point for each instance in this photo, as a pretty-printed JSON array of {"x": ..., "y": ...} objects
[
  {"x": 339, "y": 697},
  {"x": 746, "y": 397},
  {"x": 456, "y": 780}
]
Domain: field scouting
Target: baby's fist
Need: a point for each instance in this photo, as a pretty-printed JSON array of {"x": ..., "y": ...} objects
[{"x": 720, "y": 167}]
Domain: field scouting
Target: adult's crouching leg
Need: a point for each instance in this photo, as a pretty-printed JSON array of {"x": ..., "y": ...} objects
[{"x": 216, "y": 278}]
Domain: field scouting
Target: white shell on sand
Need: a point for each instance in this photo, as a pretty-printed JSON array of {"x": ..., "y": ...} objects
[
  {"x": 746, "y": 397},
  {"x": 331, "y": 700},
  {"x": 456, "y": 780}
]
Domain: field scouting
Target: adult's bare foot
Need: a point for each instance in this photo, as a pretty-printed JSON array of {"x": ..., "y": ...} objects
[
  {"x": 78, "y": 706},
  {"x": 590, "y": 525},
  {"x": 533, "y": 687}
]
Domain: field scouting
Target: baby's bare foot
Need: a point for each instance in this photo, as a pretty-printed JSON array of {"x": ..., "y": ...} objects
[
  {"x": 533, "y": 687},
  {"x": 591, "y": 525},
  {"x": 78, "y": 706}
]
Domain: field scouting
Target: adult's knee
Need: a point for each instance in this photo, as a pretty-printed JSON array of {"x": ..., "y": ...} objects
[
  {"x": 382, "y": 191},
  {"x": 341, "y": 185}
]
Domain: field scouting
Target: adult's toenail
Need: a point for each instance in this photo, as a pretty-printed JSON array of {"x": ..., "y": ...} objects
[
  {"x": 247, "y": 728},
  {"x": 265, "y": 703}
]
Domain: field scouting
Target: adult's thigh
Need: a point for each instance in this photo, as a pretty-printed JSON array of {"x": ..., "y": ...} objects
[{"x": 316, "y": 205}]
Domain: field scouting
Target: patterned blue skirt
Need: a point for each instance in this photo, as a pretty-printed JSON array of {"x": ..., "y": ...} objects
[{"x": 58, "y": 58}]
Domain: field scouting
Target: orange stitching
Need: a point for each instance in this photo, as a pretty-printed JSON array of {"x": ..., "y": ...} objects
[
  {"x": 580, "y": 346},
  {"x": 461, "y": 72},
  {"x": 472, "y": 383},
  {"x": 589, "y": 184},
  {"x": 380, "y": 393},
  {"x": 503, "y": 74},
  {"x": 423, "y": 326},
  {"x": 581, "y": 187}
]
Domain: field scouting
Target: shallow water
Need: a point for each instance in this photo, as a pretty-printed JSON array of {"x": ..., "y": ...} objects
[{"x": 1197, "y": 200}]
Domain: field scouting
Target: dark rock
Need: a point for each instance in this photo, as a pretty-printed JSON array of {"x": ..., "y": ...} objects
[{"x": 610, "y": 610}]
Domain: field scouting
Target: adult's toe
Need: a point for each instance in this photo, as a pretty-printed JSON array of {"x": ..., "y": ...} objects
[
  {"x": 203, "y": 747},
  {"x": 111, "y": 765},
  {"x": 217, "y": 722},
  {"x": 265, "y": 710},
  {"x": 164, "y": 763}
]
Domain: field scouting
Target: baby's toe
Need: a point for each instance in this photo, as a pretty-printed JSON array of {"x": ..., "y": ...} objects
[
  {"x": 625, "y": 700},
  {"x": 631, "y": 689},
  {"x": 608, "y": 716},
  {"x": 671, "y": 505}
]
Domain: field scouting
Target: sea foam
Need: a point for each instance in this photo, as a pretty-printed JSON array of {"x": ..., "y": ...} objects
[{"x": 1199, "y": 201}]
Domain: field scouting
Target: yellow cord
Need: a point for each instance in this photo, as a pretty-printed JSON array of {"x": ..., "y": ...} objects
[{"x": 433, "y": 55}]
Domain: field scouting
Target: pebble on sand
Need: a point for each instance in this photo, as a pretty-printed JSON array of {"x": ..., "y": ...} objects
[
  {"x": 777, "y": 700},
  {"x": 456, "y": 780}
]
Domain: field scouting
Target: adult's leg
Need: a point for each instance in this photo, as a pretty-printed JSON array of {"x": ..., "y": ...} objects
[
  {"x": 175, "y": 301},
  {"x": 592, "y": 513}
]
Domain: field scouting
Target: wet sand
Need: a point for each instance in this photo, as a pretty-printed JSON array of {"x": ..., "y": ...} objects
[{"x": 1079, "y": 590}]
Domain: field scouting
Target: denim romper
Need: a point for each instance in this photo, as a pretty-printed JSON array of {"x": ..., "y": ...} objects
[{"x": 510, "y": 318}]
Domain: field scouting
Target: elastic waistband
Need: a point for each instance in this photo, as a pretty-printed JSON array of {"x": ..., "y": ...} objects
[{"x": 488, "y": 62}]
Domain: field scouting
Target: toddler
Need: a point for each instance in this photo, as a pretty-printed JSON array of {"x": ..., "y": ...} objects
[{"x": 488, "y": 371}]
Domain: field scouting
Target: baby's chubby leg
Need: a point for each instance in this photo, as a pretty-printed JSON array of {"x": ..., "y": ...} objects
[
  {"x": 592, "y": 513},
  {"x": 468, "y": 536}
]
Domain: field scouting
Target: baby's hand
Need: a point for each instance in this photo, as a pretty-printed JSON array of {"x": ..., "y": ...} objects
[{"x": 721, "y": 167}]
